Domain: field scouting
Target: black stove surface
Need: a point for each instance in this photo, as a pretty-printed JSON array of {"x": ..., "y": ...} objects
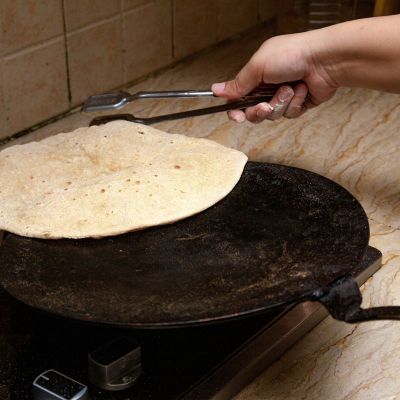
[{"x": 174, "y": 360}]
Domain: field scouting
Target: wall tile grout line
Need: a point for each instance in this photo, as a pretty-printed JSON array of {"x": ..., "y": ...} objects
[
  {"x": 95, "y": 24},
  {"x": 121, "y": 44},
  {"x": 66, "y": 55},
  {"x": 173, "y": 29},
  {"x": 34, "y": 47},
  {"x": 3, "y": 103}
]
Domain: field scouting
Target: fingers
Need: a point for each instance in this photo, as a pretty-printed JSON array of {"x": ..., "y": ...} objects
[
  {"x": 273, "y": 110},
  {"x": 237, "y": 116},
  {"x": 287, "y": 102},
  {"x": 259, "y": 113},
  {"x": 296, "y": 106},
  {"x": 280, "y": 102},
  {"x": 246, "y": 80}
]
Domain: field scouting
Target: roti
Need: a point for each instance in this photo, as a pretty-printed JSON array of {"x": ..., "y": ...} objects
[{"x": 110, "y": 179}]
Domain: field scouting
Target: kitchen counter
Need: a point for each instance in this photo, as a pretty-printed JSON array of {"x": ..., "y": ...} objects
[{"x": 353, "y": 139}]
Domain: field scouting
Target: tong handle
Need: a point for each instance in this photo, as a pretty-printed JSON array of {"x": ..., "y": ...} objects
[{"x": 263, "y": 89}]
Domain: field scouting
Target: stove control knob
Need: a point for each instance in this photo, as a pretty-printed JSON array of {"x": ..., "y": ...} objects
[
  {"x": 116, "y": 365},
  {"x": 52, "y": 385}
]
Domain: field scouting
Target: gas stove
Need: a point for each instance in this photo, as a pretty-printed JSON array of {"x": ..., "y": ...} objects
[{"x": 203, "y": 362}]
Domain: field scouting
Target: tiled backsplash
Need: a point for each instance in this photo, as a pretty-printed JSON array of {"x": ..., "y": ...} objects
[{"x": 55, "y": 53}]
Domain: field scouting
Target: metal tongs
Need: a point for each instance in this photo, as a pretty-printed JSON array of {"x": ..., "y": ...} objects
[{"x": 117, "y": 100}]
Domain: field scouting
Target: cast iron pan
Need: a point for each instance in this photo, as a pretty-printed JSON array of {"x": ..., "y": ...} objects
[{"x": 282, "y": 236}]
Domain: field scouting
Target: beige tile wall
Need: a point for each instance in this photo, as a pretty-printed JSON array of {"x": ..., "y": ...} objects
[
  {"x": 146, "y": 38},
  {"x": 234, "y": 16},
  {"x": 35, "y": 84},
  {"x": 56, "y": 53},
  {"x": 94, "y": 59}
]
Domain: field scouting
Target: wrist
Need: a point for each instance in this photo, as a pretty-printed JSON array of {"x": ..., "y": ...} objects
[{"x": 324, "y": 57}]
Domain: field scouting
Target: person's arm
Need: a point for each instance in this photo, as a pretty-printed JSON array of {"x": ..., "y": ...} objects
[{"x": 360, "y": 53}]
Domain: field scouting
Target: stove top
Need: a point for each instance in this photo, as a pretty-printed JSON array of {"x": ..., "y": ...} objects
[{"x": 204, "y": 362}]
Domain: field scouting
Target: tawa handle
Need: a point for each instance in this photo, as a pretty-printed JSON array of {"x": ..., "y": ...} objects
[{"x": 343, "y": 301}]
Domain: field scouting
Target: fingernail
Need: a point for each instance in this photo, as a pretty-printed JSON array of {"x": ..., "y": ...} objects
[
  {"x": 285, "y": 94},
  {"x": 264, "y": 110},
  {"x": 218, "y": 87}
]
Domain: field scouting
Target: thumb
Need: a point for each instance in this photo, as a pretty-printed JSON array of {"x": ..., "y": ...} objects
[{"x": 246, "y": 80}]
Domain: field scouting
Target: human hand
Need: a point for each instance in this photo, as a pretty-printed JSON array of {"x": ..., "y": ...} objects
[{"x": 281, "y": 59}]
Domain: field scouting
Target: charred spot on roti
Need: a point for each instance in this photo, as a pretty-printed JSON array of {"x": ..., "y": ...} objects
[
  {"x": 102, "y": 190},
  {"x": 176, "y": 166}
]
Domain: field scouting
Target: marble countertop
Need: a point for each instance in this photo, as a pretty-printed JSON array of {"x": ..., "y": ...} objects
[{"x": 353, "y": 139}]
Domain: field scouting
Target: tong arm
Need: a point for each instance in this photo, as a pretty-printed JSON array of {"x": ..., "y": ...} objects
[
  {"x": 170, "y": 94},
  {"x": 241, "y": 104}
]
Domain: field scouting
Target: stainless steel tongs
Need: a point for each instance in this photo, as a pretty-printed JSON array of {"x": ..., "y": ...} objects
[{"x": 117, "y": 100}]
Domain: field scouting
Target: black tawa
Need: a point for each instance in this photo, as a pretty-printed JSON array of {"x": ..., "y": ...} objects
[{"x": 283, "y": 235}]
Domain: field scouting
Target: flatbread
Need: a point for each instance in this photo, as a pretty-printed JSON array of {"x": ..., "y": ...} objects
[{"x": 110, "y": 179}]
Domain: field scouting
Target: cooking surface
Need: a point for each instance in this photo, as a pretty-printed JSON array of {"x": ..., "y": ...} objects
[{"x": 280, "y": 234}]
